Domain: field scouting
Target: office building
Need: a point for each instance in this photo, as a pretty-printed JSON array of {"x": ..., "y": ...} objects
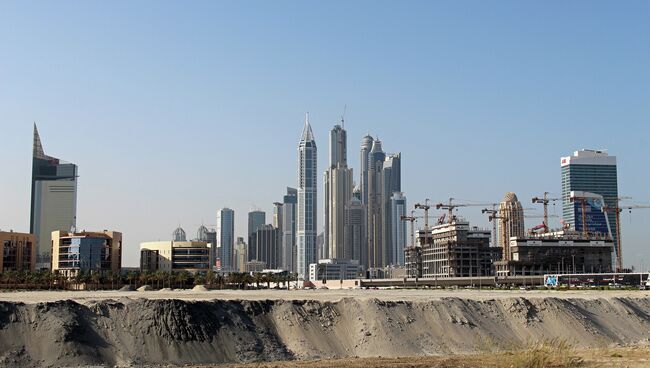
[
  {"x": 256, "y": 219},
  {"x": 590, "y": 171},
  {"x": 86, "y": 251},
  {"x": 307, "y": 206},
  {"x": 240, "y": 255},
  {"x": 334, "y": 269},
  {"x": 557, "y": 252},
  {"x": 289, "y": 230},
  {"x": 338, "y": 187},
  {"x": 179, "y": 234},
  {"x": 175, "y": 256},
  {"x": 18, "y": 252},
  {"x": 355, "y": 231},
  {"x": 376, "y": 160},
  {"x": 265, "y": 246},
  {"x": 364, "y": 168},
  {"x": 225, "y": 239},
  {"x": 398, "y": 229},
  {"x": 53, "y": 199},
  {"x": 511, "y": 220}
]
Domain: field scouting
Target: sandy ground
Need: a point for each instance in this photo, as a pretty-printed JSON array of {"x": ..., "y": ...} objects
[{"x": 332, "y": 295}]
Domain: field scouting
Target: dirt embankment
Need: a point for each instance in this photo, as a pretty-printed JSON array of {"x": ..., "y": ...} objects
[{"x": 141, "y": 331}]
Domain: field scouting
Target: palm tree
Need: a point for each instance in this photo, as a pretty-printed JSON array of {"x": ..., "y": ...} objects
[
  {"x": 131, "y": 276},
  {"x": 199, "y": 279},
  {"x": 182, "y": 277},
  {"x": 210, "y": 278},
  {"x": 258, "y": 278},
  {"x": 95, "y": 277}
]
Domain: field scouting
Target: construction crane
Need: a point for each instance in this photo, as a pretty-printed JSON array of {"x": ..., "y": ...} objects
[
  {"x": 426, "y": 208},
  {"x": 617, "y": 211},
  {"x": 412, "y": 220},
  {"x": 450, "y": 207},
  {"x": 493, "y": 217},
  {"x": 492, "y": 212},
  {"x": 545, "y": 200}
]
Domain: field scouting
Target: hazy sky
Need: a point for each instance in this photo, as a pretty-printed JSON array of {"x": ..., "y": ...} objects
[{"x": 173, "y": 110}]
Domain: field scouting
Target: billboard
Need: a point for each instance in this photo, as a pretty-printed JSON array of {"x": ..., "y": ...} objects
[{"x": 596, "y": 219}]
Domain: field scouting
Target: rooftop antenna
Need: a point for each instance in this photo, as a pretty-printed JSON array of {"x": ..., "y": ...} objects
[{"x": 345, "y": 108}]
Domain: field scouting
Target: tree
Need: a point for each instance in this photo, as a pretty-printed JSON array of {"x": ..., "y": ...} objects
[
  {"x": 210, "y": 278},
  {"x": 182, "y": 278},
  {"x": 131, "y": 276},
  {"x": 258, "y": 278}
]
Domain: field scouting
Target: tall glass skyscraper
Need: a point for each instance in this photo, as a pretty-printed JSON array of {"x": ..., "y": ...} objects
[
  {"x": 306, "y": 208},
  {"x": 590, "y": 171},
  {"x": 289, "y": 230},
  {"x": 225, "y": 239},
  {"x": 54, "y": 199}
]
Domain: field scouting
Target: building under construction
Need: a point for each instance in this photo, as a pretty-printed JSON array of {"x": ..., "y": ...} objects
[
  {"x": 557, "y": 252},
  {"x": 452, "y": 249}
]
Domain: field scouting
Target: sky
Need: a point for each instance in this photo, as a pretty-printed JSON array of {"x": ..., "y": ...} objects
[{"x": 174, "y": 109}]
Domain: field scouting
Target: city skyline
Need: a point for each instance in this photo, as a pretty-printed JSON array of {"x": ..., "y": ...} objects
[{"x": 162, "y": 139}]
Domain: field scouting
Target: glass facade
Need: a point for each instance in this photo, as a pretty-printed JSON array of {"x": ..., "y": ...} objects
[{"x": 85, "y": 254}]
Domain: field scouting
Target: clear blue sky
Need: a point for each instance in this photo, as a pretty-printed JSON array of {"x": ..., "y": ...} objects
[{"x": 175, "y": 109}]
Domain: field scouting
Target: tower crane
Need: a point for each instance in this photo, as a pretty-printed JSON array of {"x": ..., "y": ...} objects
[
  {"x": 617, "y": 210},
  {"x": 426, "y": 208},
  {"x": 545, "y": 200},
  {"x": 492, "y": 217},
  {"x": 450, "y": 207},
  {"x": 412, "y": 220}
]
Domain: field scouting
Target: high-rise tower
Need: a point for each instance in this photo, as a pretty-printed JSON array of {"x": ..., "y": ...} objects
[
  {"x": 366, "y": 146},
  {"x": 391, "y": 184},
  {"x": 376, "y": 159},
  {"x": 591, "y": 171},
  {"x": 511, "y": 224},
  {"x": 54, "y": 199},
  {"x": 225, "y": 239},
  {"x": 306, "y": 208},
  {"x": 289, "y": 230},
  {"x": 338, "y": 192}
]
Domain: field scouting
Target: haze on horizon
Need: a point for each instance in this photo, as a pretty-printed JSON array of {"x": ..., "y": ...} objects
[{"x": 174, "y": 111}]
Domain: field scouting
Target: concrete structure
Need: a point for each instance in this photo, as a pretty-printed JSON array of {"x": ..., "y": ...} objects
[
  {"x": 87, "y": 251},
  {"x": 338, "y": 187},
  {"x": 391, "y": 183},
  {"x": 355, "y": 231},
  {"x": 334, "y": 269},
  {"x": 264, "y": 246},
  {"x": 18, "y": 251},
  {"x": 175, "y": 256},
  {"x": 289, "y": 230},
  {"x": 590, "y": 171},
  {"x": 452, "y": 250},
  {"x": 307, "y": 206},
  {"x": 364, "y": 168},
  {"x": 556, "y": 253},
  {"x": 223, "y": 252},
  {"x": 375, "y": 201},
  {"x": 53, "y": 199},
  {"x": 511, "y": 221},
  {"x": 276, "y": 221},
  {"x": 255, "y": 266},
  {"x": 240, "y": 255},
  {"x": 398, "y": 229},
  {"x": 256, "y": 219}
]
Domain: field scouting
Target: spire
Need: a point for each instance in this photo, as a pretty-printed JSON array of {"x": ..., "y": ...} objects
[
  {"x": 38, "y": 147},
  {"x": 307, "y": 134}
]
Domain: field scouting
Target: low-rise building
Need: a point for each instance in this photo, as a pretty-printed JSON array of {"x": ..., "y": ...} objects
[
  {"x": 86, "y": 251},
  {"x": 558, "y": 253},
  {"x": 335, "y": 269},
  {"x": 18, "y": 251},
  {"x": 175, "y": 256},
  {"x": 452, "y": 250}
]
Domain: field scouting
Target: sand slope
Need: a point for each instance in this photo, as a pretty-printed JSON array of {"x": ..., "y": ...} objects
[{"x": 147, "y": 331}]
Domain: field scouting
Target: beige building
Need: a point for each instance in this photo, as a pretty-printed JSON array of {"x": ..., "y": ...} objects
[
  {"x": 18, "y": 251},
  {"x": 240, "y": 255},
  {"x": 511, "y": 222},
  {"x": 175, "y": 256},
  {"x": 89, "y": 251}
]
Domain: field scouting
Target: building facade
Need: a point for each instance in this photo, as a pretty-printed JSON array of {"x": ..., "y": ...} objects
[
  {"x": 223, "y": 252},
  {"x": 265, "y": 246},
  {"x": 175, "y": 256},
  {"x": 18, "y": 252},
  {"x": 511, "y": 220},
  {"x": 240, "y": 255},
  {"x": 591, "y": 171},
  {"x": 307, "y": 206},
  {"x": 391, "y": 183},
  {"x": 376, "y": 160},
  {"x": 334, "y": 269},
  {"x": 53, "y": 199},
  {"x": 364, "y": 167},
  {"x": 398, "y": 229},
  {"x": 289, "y": 230},
  {"x": 94, "y": 252},
  {"x": 256, "y": 219},
  {"x": 355, "y": 231},
  {"x": 338, "y": 185}
]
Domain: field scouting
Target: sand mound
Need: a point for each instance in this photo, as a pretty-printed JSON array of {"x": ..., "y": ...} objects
[
  {"x": 166, "y": 289},
  {"x": 145, "y": 288},
  {"x": 199, "y": 288},
  {"x": 136, "y": 332},
  {"x": 127, "y": 288}
]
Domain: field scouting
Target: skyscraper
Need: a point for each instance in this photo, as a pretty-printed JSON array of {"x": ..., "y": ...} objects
[
  {"x": 398, "y": 228},
  {"x": 375, "y": 203},
  {"x": 255, "y": 220},
  {"x": 306, "y": 208},
  {"x": 54, "y": 199},
  {"x": 338, "y": 192},
  {"x": 391, "y": 183},
  {"x": 366, "y": 147},
  {"x": 179, "y": 234},
  {"x": 289, "y": 230},
  {"x": 264, "y": 246},
  {"x": 204, "y": 234},
  {"x": 355, "y": 230},
  {"x": 590, "y": 171},
  {"x": 225, "y": 239},
  {"x": 512, "y": 219}
]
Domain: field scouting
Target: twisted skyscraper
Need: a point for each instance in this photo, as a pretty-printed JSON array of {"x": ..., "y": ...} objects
[{"x": 306, "y": 208}]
